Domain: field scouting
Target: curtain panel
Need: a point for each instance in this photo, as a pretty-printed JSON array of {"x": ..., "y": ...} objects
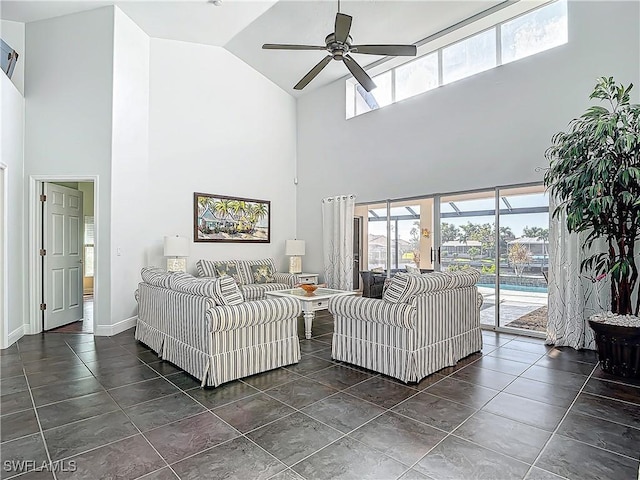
[
  {"x": 573, "y": 295},
  {"x": 337, "y": 241}
]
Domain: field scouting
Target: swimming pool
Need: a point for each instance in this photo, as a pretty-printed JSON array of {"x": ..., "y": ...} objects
[{"x": 517, "y": 288}]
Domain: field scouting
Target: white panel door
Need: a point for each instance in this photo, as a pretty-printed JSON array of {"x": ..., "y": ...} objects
[{"x": 63, "y": 240}]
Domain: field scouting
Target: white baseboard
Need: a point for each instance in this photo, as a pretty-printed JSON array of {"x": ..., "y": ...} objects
[
  {"x": 121, "y": 326},
  {"x": 14, "y": 336}
]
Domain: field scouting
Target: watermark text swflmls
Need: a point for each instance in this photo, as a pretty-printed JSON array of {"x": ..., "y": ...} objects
[{"x": 18, "y": 466}]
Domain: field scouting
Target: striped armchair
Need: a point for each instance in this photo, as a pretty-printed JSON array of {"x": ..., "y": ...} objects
[
  {"x": 185, "y": 323},
  {"x": 422, "y": 324}
]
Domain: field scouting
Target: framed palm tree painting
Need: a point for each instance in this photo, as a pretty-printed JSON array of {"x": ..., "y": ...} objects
[{"x": 218, "y": 218}]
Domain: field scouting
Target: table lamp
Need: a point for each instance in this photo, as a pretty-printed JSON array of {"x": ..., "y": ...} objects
[
  {"x": 294, "y": 249},
  {"x": 176, "y": 249}
]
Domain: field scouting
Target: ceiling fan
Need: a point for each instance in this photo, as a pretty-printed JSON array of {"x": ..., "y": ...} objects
[{"x": 339, "y": 46}]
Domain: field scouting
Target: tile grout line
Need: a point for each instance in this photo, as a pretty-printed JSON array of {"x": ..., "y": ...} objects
[
  {"x": 41, "y": 432},
  {"x": 544, "y": 447},
  {"x": 449, "y": 434},
  {"x": 116, "y": 403},
  {"x": 343, "y": 390}
]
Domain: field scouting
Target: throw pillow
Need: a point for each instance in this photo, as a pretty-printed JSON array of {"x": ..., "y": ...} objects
[
  {"x": 262, "y": 273},
  {"x": 206, "y": 268},
  {"x": 226, "y": 291},
  {"x": 229, "y": 269}
]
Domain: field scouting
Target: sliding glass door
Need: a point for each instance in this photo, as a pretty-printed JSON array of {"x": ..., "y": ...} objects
[
  {"x": 501, "y": 232},
  {"x": 467, "y": 240},
  {"x": 523, "y": 257}
]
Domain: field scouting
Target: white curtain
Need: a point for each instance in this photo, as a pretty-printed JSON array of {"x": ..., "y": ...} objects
[
  {"x": 573, "y": 296},
  {"x": 337, "y": 241}
]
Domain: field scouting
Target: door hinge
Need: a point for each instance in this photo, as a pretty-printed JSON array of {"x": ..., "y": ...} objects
[
  {"x": 43, "y": 306},
  {"x": 43, "y": 198},
  {"x": 43, "y": 252}
]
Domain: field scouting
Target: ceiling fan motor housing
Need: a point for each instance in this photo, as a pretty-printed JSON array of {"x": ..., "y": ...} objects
[{"x": 337, "y": 49}]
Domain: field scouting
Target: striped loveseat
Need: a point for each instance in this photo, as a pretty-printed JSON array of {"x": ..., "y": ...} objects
[
  {"x": 205, "y": 327},
  {"x": 254, "y": 277},
  {"x": 422, "y": 324}
]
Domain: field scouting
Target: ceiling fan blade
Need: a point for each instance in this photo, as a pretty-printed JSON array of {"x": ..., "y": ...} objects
[
  {"x": 395, "y": 50},
  {"x": 313, "y": 73},
  {"x": 358, "y": 72},
  {"x": 343, "y": 27},
  {"x": 281, "y": 46}
]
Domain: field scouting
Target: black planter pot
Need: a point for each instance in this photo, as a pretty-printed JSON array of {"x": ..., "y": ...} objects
[{"x": 618, "y": 349}]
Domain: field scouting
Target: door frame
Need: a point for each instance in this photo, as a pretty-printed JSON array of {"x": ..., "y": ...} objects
[
  {"x": 4, "y": 252},
  {"x": 34, "y": 236}
]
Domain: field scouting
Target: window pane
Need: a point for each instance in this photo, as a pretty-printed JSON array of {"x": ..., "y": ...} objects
[
  {"x": 88, "y": 230},
  {"x": 417, "y": 77},
  {"x": 524, "y": 258},
  {"x": 473, "y": 55},
  {"x": 534, "y": 32},
  {"x": 88, "y": 261},
  {"x": 364, "y": 101},
  {"x": 350, "y": 99},
  {"x": 382, "y": 92},
  {"x": 377, "y": 98},
  {"x": 377, "y": 243}
]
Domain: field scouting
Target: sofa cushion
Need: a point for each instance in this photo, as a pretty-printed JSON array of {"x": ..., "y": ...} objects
[
  {"x": 404, "y": 287},
  {"x": 226, "y": 291},
  {"x": 156, "y": 276},
  {"x": 257, "y": 291},
  {"x": 262, "y": 273},
  {"x": 180, "y": 278},
  {"x": 463, "y": 278}
]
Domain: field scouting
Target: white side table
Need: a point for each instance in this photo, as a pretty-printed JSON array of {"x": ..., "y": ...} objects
[{"x": 309, "y": 278}]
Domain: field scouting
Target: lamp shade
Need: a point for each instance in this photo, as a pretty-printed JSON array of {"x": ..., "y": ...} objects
[
  {"x": 294, "y": 247},
  {"x": 176, "y": 246}
]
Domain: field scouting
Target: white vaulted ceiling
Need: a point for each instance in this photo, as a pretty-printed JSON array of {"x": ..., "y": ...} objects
[{"x": 242, "y": 26}]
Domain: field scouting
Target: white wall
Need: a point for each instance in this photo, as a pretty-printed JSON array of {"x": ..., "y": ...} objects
[
  {"x": 13, "y": 34},
  {"x": 487, "y": 130},
  {"x": 11, "y": 154},
  {"x": 130, "y": 196},
  {"x": 216, "y": 126},
  {"x": 68, "y": 115}
]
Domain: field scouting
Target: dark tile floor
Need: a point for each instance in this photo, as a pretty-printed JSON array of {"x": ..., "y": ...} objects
[{"x": 109, "y": 408}]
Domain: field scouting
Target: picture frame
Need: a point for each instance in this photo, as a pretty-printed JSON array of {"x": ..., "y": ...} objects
[{"x": 221, "y": 218}]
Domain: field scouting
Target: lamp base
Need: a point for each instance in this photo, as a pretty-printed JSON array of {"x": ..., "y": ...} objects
[
  {"x": 295, "y": 264},
  {"x": 176, "y": 264}
]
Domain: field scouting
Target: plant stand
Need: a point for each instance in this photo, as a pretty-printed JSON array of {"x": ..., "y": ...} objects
[{"x": 618, "y": 343}]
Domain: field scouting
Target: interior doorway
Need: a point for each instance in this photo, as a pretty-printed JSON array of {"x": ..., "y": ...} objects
[{"x": 63, "y": 221}]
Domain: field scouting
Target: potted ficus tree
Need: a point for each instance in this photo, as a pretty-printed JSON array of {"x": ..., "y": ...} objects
[{"x": 594, "y": 176}]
